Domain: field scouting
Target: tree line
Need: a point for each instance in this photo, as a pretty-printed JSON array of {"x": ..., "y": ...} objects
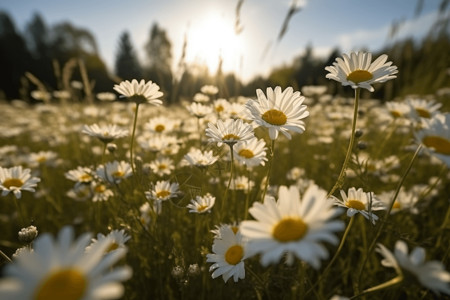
[{"x": 51, "y": 57}]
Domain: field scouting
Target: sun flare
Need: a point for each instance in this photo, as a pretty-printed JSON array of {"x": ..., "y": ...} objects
[{"x": 212, "y": 38}]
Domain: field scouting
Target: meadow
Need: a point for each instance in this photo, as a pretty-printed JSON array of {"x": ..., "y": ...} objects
[{"x": 180, "y": 207}]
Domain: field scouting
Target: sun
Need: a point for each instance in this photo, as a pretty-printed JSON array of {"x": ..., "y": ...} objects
[{"x": 212, "y": 38}]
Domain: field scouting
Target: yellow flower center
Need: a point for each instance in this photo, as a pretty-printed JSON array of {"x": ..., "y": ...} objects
[
  {"x": 289, "y": 229},
  {"x": 113, "y": 246},
  {"x": 396, "y": 205},
  {"x": 219, "y": 108},
  {"x": 438, "y": 143},
  {"x": 356, "y": 204},
  {"x": 396, "y": 114},
  {"x": 67, "y": 284},
  {"x": 234, "y": 229},
  {"x": 358, "y": 76},
  {"x": 100, "y": 188},
  {"x": 41, "y": 159},
  {"x": 202, "y": 208},
  {"x": 85, "y": 177},
  {"x": 423, "y": 113},
  {"x": 230, "y": 136},
  {"x": 246, "y": 153},
  {"x": 162, "y": 167},
  {"x": 15, "y": 182},
  {"x": 162, "y": 194},
  {"x": 274, "y": 117},
  {"x": 159, "y": 128},
  {"x": 234, "y": 255},
  {"x": 118, "y": 174}
]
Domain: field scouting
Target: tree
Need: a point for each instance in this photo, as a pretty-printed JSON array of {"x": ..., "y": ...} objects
[{"x": 127, "y": 65}]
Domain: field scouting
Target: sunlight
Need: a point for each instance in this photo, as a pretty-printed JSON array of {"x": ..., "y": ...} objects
[{"x": 212, "y": 37}]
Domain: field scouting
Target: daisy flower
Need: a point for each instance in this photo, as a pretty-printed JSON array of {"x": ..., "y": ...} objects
[
  {"x": 16, "y": 180},
  {"x": 42, "y": 158},
  {"x": 140, "y": 92},
  {"x": 199, "y": 110},
  {"x": 106, "y": 96},
  {"x": 421, "y": 108},
  {"x": 117, "y": 240},
  {"x": 80, "y": 175},
  {"x": 358, "y": 70},
  {"x": 200, "y": 97},
  {"x": 405, "y": 201},
  {"x": 100, "y": 191},
  {"x": 114, "y": 172},
  {"x": 280, "y": 111},
  {"x": 357, "y": 201},
  {"x": 221, "y": 106},
  {"x": 202, "y": 204},
  {"x": 106, "y": 134},
  {"x": 229, "y": 132},
  {"x": 162, "y": 166},
  {"x": 251, "y": 152},
  {"x": 160, "y": 125},
  {"x": 162, "y": 191},
  {"x": 200, "y": 159},
  {"x": 242, "y": 183},
  {"x": 229, "y": 255},
  {"x": 61, "y": 269},
  {"x": 431, "y": 274},
  {"x": 209, "y": 89},
  {"x": 398, "y": 109},
  {"x": 292, "y": 226},
  {"x": 435, "y": 136}
]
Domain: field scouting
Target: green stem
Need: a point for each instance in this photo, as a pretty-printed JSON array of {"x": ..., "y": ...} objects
[
  {"x": 269, "y": 169},
  {"x": 5, "y": 256},
  {"x": 247, "y": 197},
  {"x": 340, "y": 180},
  {"x": 390, "y": 283},
  {"x": 338, "y": 251},
  {"x": 229, "y": 180},
  {"x": 388, "y": 212},
  {"x": 132, "y": 138}
]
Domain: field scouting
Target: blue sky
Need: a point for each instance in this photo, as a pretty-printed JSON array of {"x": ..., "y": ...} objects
[{"x": 323, "y": 24}]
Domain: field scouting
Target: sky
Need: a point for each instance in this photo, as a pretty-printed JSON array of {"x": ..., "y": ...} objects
[{"x": 350, "y": 25}]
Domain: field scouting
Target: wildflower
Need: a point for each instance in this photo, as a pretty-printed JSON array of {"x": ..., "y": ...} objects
[
  {"x": 140, "y": 92},
  {"x": 16, "y": 180},
  {"x": 435, "y": 136},
  {"x": 314, "y": 90},
  {"x": 199, "y": 110},
  {"x": 251, "y": 152},
  {"x": 100, "y": 191},
  {"x": 431, "y": 274},
  {"x": 162, "y": 191},
  {"x": 398, "y": 109},
  {"x": 41, "y": 95},
  {"x": 114, "y": 172},
  {"x": 358, "y": 70},
  {"x": 280, "y": 111},
  {"x": 229, "y": 132},
  {"x": 28, "y": 234},
  {"x": 157, "y": 143},
  {"x": 106, "y": 134},
  {"x": 117, "y": 240},
  {"x": 61, "y": 269},
  {"x": 202, "y": 204},
  {"x": 160, "y": 125},
  {"x": 80, "y": 175},
  {"x": 162, "y": 166},
  {"x": 295, "y": 173},
  {"x": 421, "y": 108},
  {"x": 42, "y": 157},
  {"x": 106, "y": 96},
  {"x": 236, "y": 110},
  {"x": 229, "y": 255},
  {"x": 405, "y": 201},
  {"x": 199, "y": 97},
  {"x": 292, "y": 226},
  {"x": 242, "y": 183},
  {"x": 200, "y": 159},
  {"x": 221, "y": 106},
  {"x": 357, "y": 201},
  {"x": 209, "y": 89}
]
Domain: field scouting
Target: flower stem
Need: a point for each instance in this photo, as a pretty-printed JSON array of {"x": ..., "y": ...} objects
[
  {"x": 229, "y": 180},
  {"x": 269, "y": 169},
  {"x": 340, "y": 180},
  {"x": 5, "y": 256},
  {"x": 390, "y": 283},
  {"x": 132, "y": 138},
  {"x": 338, "y": 251},
  {"x": 386, "y": 216}
]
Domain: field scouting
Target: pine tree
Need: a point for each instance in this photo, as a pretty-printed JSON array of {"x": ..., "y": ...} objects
[{"x": 127, "y": 65}]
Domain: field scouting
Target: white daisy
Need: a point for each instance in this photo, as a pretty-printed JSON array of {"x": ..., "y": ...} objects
[
  {"x": 199, "y": 110},
  {"x": 431, "y": 274},
  {"x": 162, "y": 166},
  {"x": 106, "y": 134},
  {"x": 209, "y": 89},
  {"x": 358, "y": 70},
  {"x": 200, "y": 97},
  {"x": 106, "y": 96},
  {"x": 280, "y": 111},
  {"x": 405, "y": 201},
  {"x": 140, "y": 92},
  {"x": 422, "y": 108},
  {"x": 160, "y": 125},
  {"x": 42, "y": 158},
  {"x": 61, "y": 269},
  {"x": 229, "y": 255},
  {"x": 114, "y": 172},
  {"x": 221, "y": 106},
  {"x": 398, "y": 109},
  {"x": 357, "y": 201},
  {"x": 251, "y": 152},
  {"x": 202, "y": 204},
  {"x": 100, "y": 191},
  {"x": 117, "y": 240},
  {"x": 242, "y": 183},
  {"x": 229, "y": 132},
  {"x": 292, "y": 226},
  {"x": 16, "y": 180},
  {"x": 200, "y": 159},
  {"x": 162, "y": 191},
  {"x": 435, "y": 136},
  {"x": 80, "y": 175}
]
